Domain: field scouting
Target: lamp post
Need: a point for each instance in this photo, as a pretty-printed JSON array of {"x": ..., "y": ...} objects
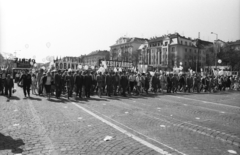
[{"x": 216, "y": 50}]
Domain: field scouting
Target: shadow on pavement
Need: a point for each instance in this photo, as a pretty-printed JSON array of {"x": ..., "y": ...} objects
[
  {"x": 35, "y": 98},
  {"x": 12, "y": 97},
  {"x": 8, "y": 143}
]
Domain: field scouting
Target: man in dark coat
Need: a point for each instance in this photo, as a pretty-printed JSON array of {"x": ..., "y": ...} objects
[
  {"x": 1, "y": 84},
  {"x": 189, "y": 83},
  {"x": 70, "y": 83},
  {"x": 124, "y": 83},
  {"x": 174, "y": 83},
  {"x": 26, "y": 83},
  {"x": 4, "y": 76},
  {"x": 88, "y": 84},
  {"x": 154, "y": 83},
  {"x": 169, "y": 84},
  {"x": 182, "y": 83},
  {"x": 109, "y": 83},
  {"x": 116, "y": 81},
  {"x": 58, "y": 85},
  {"x": 78, "y": 82},
  {"x": 9, "y": 85},
  {"x": 147, "y": 83}
]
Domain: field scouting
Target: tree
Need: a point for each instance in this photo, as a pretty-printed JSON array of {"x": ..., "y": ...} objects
[
  {"x": 230, "y": 57},
  {"x": 1, "y": 59}
]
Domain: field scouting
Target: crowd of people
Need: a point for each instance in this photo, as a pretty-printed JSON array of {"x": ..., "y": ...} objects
[{"x": 87, "y": 83}]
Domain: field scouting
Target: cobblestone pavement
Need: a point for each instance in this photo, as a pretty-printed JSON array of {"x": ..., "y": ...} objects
[{"x": 193, "y": 124}]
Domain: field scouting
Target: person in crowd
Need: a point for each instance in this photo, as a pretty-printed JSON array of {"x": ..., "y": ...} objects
[
  {"x": 70, "y": 83},
  {"x": 87, "y": 84},
  {"x": 1, "y": 84},
  {"x": 34, "y": 84},
  {"x": 169, "y": 83},
  {"x": 182, "y": 83},
  {"x": 99, "y": 83},
  {"x": 109, "y": 83},
  {"x": 17, "y": 77},
  {"x": 116, "y": 81},
  {"x": 142, "y": 78},
  {"x": 124, "y": 83},
  {"x": 47, "y": 80},
  {"x": 9, "y": 85},
  {"x": 63, "y": 81},
  {"x": 138, "y": 86},
  {"x": 196, "y": 83},
  {"x": 154, "y": 83},
  {"x": 4, "y": 75},
  {"x": 26, "y": 83},
  {"x": 39, "y": 82},
  {"x": 147, "y": 83},
  {"x": 78, "y": 82},
  {"x": 132, "y": 80},
  {"x": 94, "y": 82},
  {"x": 174, "y": 83},
  {"x": 104, "y": 82},
  {"x": 58, "y": 84}
]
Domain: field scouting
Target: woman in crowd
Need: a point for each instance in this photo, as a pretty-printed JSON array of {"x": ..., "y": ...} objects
[
  {"x": 47, "y": 83},
  {"x": 34, "y": 84}
]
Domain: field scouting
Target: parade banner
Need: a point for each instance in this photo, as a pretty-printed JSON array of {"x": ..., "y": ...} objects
[{"x": 113, "y": 63}]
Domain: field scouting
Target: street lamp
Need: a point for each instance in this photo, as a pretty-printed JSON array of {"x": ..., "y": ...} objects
[{"x": 216, "y": 50}]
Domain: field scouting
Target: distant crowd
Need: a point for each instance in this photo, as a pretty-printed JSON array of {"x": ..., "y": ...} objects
[{"x": 86, "y": 83}]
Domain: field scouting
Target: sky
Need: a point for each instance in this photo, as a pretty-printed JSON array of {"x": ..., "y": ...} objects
[{"x": 41, "y": 28}]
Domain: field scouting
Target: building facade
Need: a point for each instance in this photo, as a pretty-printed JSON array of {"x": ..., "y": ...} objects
[
  {"x": 93, "y": 58},
  {"x": 126, "y": 49},
  {"x": 172, "y": 51}
]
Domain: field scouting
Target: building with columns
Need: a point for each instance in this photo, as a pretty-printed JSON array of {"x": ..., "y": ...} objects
[{"x": 126, "y": 49}]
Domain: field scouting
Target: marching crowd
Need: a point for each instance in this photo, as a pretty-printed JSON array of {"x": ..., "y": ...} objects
[{"x": 87, "y": 83}]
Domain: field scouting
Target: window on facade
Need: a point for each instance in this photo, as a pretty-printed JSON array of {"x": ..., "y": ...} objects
[
  {"x": 190, "y": 50},
  {"x": 185, "y": 43},
  {"x": 185, "y": 50},
  {"x": 166, "y": 43},
  {"x": 173, "y": 49}
]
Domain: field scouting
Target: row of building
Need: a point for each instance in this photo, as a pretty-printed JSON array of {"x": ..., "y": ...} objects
[{"x": 162, "y": 53}]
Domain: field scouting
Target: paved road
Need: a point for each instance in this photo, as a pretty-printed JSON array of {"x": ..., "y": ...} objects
[{"x": 193, "y": 124}]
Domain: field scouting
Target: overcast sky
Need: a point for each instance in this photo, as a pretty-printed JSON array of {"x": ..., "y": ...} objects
[{"x": 75, "y": 27}]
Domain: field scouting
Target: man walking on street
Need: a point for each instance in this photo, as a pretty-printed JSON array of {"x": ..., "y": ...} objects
[
  {"x": 58, "y": 85},
  {"x": 26, "y": 82},
  {"x": 88, "y": 84},
  {"x": 9, "y": 85}
]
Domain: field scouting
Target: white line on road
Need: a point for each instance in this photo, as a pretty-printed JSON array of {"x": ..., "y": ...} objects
[
  {"x": 157, "y": 149},
  {"x": 219, "y": 104}
]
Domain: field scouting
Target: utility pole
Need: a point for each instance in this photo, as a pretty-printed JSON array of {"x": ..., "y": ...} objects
[{"x": 215, "y": 50}]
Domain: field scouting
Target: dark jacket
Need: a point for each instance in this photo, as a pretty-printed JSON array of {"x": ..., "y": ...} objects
[
  {"x": 9, "y": 83},
  {"x": 123, "y": 81},
  {"x": 109, "y": 80},
  {"x": 26, "y": 79},
  {"x": 70, "y": 80},
  {"x": 169, "y": 81},
  {"x": 88, "y": 81},
  {"x": 57, "y": 79},
  {"x": 78, "y": 81}
]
